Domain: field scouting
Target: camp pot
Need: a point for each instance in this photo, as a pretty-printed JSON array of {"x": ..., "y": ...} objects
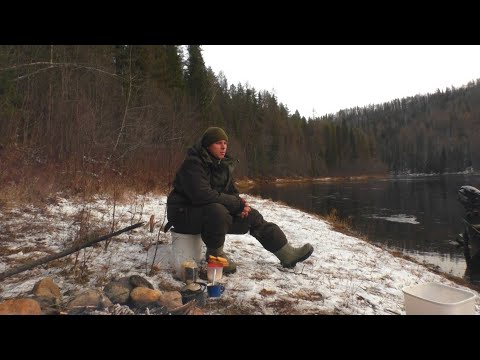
[{"x": 194, "y": 291}]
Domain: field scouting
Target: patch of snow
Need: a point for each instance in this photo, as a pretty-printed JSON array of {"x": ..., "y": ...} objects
[{"x": 400, "y": 218}]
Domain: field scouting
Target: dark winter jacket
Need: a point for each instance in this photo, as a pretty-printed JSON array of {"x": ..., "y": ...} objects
[{"x": 202, "y": 179}]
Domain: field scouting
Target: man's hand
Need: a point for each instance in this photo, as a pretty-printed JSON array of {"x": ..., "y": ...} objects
[
  {"x": 245, "y": 212},
  {"x": 246, "y": 209}
]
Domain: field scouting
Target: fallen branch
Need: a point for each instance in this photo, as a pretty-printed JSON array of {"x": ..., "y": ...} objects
[
  {"x": 66, "y": 252},
  {"x": 183, "y": 309}
]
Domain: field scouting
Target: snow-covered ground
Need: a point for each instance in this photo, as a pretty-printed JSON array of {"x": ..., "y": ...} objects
[{"x": 345, "y": 275}]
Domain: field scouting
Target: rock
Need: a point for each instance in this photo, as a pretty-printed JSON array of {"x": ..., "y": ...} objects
[
  {"x": 141, "y": 296},
  {"x": 170, "y": 299},
  {"x": 47, "y": 288},
  {"x": 89, "y": 300},
  {"x": 118, "y": 291},
  {"x": 49, "y": 305},
  {"x": 138, "y": 281},
  {"x": 20, "y": 307}
]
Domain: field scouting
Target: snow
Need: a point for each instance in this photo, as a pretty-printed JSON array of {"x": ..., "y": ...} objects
[
  {"x": 400, "y": 218},
  {"x": 344, "y": 275}
]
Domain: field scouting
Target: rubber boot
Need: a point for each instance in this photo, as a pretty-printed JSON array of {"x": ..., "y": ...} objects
[
  {"x": 289, "y": 256},
  {"x": 228, "y": 269}
]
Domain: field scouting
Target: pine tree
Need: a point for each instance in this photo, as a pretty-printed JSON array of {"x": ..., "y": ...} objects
[{"x": 197, "y": 80}]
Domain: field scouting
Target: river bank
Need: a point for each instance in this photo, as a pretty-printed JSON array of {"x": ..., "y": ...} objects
[{"x": 344, "y": 275}]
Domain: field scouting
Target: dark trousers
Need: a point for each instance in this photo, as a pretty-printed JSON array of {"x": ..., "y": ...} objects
[{"x": 213, "y": 222}]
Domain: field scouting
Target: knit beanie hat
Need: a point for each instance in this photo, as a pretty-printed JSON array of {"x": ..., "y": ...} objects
[{"x": 212, "y": 135}]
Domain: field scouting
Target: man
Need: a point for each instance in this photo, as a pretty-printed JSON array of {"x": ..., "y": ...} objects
[{"x": 204, "y": 200}]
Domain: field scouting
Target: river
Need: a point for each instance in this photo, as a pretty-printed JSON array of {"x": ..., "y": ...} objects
[{"x": 417, "y": 215}]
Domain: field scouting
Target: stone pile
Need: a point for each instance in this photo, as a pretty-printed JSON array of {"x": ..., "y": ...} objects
[{"x": 128, "y": 295}]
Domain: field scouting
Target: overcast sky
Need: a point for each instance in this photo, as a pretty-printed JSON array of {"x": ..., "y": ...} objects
[{"x": 329, "y": 78}]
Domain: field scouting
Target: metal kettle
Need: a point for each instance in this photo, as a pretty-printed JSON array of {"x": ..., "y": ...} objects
[{"x": 194, "y": 291}]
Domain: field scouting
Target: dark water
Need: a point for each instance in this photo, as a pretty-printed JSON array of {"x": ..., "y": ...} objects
[{"x": 419, "y": 216}]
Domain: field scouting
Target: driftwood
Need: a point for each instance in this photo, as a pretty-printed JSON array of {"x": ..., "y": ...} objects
[
  {"x": 66, "y": 252},
  {"x": 185, "y": 309}
]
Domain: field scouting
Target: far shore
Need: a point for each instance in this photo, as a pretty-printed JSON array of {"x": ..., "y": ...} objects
[{"x": 243, "y": 184}]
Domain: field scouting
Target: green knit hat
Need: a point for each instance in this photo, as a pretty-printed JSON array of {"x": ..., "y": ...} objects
[{"x": 212, "y": 135}]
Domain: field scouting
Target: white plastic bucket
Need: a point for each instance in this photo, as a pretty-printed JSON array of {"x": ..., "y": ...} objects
[
  {"x": 185, "y": 247},
  {"x": 438, "y": 299}
]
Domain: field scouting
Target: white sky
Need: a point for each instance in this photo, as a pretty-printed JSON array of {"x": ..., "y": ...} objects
[
  {"x": 329, "y": 78},
  {"x": 344, "y": 275}
]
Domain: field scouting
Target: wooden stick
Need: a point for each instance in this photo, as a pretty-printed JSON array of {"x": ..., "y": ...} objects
[
  {"x": 66, "y": 252},
  {"x": 152, "y": 223}
]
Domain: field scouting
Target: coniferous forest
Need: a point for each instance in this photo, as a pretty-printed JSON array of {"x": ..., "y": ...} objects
[{"x": 130, "y": 112}]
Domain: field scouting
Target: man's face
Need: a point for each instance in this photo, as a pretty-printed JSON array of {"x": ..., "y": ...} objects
[{"x": 218, "y": 149}]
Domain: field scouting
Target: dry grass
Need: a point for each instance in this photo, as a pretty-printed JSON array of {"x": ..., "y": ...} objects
[
  {"x": 222, "y": 306},
  {"x": 60, "y": 263},
  {"x": 339, "y": 224},
  {"x": 27, "y": 179},
  {"x": 284, "y": 307},
  {"x": 312, "y": 296},
  {"x": 25, "y": 250},
  {"x": 266, "y": 293},
  {"x": 243, "y": 184},
  {"x": 11, "y": 232},
  {"x": 259, "y": 276}
]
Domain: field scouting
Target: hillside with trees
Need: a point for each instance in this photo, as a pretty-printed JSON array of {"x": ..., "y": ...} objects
[
  {"x": 432, "y": 133},
  {"x": 82, "y": 114}
]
